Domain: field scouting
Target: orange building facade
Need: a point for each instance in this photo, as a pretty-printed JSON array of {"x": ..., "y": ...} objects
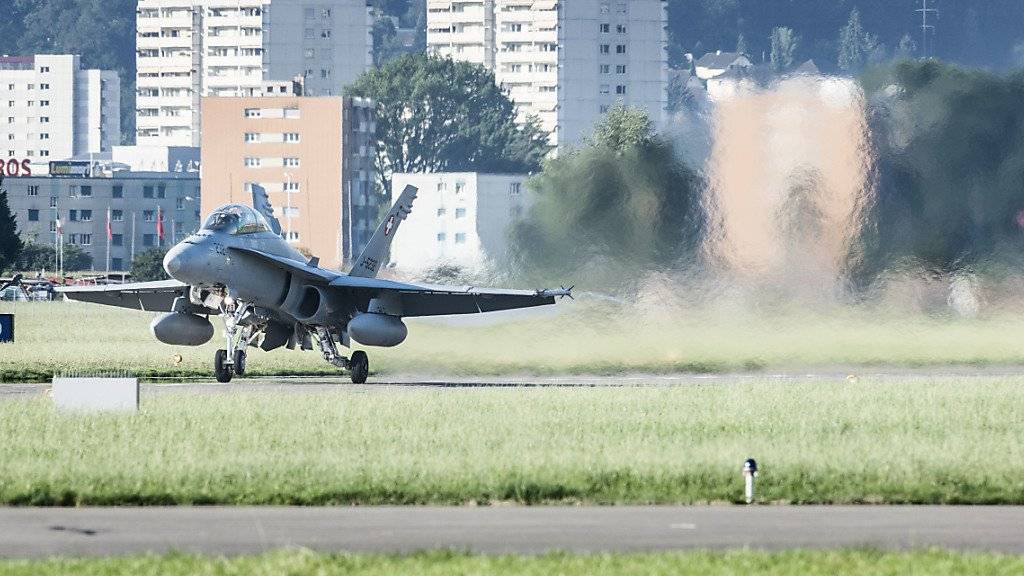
[{"x": 312, "y": 155}]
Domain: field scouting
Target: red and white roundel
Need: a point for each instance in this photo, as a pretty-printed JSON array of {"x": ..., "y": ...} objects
[{"x": 390, "y": 225}]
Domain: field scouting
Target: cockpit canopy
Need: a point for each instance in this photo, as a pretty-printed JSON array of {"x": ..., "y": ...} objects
[{"x": 236, "y": 219}]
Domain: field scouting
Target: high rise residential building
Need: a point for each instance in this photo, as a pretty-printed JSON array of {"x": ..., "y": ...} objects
[
  {"x": 459, "y": 219},
  {"x": 563, "y": 61},
  {"x": 313, "y": 156},
  {"x": 56, "y": 110},
  {"x": 188, "y": 49}
]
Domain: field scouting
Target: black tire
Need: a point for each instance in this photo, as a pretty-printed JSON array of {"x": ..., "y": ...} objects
[
  {"x": 239, "y": 367},
  {"x": 220, "y": 369},
  {"x": 359, "y": 367}
]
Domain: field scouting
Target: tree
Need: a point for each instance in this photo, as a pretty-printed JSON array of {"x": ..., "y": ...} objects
[
  {"x": 35, "y": 257},
  {"x": 851, "y": 44},
  {"x": 621, "y": 205},
  {"x": 907, "y": 47},
  {"x": 741, "y": 44},
  {"x": 784, "y": 44},
  {"x": 148, "y": 266},
  {"x": 434, "y": 114},
  {"x": 10, "y": 243}
]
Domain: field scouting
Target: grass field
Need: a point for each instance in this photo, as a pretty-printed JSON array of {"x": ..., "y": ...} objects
[
  {"x": 874, "y": 441},
  {"x": 574, "y": 338},
  {"x": 300, "y": 563}
]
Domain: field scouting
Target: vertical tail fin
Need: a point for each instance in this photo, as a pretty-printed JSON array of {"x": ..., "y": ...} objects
[{"x": 372, "y": 258}]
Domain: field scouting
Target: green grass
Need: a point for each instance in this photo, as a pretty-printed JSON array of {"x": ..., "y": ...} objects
[
  {"x": 302, "y": 562},
  {"x": 908, "y": 440},
  {"x": 574, "y": 338}
]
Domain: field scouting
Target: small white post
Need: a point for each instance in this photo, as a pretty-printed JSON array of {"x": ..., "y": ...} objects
[{"x": 749, "y": 473}]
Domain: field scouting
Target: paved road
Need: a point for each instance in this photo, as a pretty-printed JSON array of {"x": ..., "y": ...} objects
[{"x": 35, "y": 532}]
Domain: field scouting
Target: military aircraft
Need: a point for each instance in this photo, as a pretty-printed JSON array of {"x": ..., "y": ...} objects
[{"x": 238, "y": 267}]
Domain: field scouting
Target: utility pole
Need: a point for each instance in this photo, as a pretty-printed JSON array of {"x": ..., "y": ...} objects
[{"x": 925, "y": 26}]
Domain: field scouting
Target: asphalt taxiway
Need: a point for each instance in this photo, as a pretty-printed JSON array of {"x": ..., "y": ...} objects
[{"x": 42, "y": 532}]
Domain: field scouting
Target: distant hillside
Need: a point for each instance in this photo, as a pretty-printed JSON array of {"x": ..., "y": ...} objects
[{"x": 984, "y": 33}]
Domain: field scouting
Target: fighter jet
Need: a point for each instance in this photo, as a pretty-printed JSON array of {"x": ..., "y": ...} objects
[{"x": 268, "y": 295}]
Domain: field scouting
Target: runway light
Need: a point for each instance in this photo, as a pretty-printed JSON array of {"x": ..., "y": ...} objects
[{"x": 749, "y": 473}]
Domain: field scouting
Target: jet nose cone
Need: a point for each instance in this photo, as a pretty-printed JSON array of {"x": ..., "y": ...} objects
[{"x": 180, "y": 262}]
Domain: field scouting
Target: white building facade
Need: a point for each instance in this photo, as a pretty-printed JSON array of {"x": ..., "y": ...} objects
[
  {"x": 564, "y": 62},
  {"x": 188, "y": 49},
  {"x": 56, "y": 110},
  {"x": 460, "y": 218}
]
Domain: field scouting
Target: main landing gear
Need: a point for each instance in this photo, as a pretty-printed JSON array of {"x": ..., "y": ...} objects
[{"x": 358, "y": 365}]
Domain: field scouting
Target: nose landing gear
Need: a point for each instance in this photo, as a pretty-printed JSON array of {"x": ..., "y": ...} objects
[{"x": 231, "y": 361}]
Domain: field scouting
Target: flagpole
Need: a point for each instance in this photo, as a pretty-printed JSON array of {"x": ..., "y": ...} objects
[
  {"x": 108, "y": 242},
  {"x": 56, "y": 233},
  {"x": 132, "y": 263}
]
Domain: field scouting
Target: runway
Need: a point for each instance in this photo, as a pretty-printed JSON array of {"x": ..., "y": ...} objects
[
  {"x": 392, "y": 382},
  {"x": 42, "y": 532}
]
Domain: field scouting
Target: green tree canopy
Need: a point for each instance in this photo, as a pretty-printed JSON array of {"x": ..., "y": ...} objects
[
  {"x": 10, "y": 243},
  {"x": 784, "y": 43},
  {"x": 437, "y": 115},
  {"x": 949, "y": 144},
  {"x": 37, "y": 257},
  {"x": 621, "y": 205},
  {"x": 148, "y": 266},
  {"x": 852, "y": 49}
]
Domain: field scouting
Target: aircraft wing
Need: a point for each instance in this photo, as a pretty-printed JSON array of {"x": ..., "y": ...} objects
[
  {"x": 414, "y": 299},
  {"x": 149, "y": 296}
]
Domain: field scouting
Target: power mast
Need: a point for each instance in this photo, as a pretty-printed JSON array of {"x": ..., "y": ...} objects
[{"x": 925, "y": 26}]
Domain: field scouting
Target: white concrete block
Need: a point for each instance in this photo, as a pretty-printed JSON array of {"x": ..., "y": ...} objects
[{"x": 96, "y": 394}]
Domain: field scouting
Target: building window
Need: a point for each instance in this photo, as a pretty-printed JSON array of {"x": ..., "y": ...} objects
[
  {"x": 252, "y": 137},
  {"x": 253, "y": 113},
  {"x": 44, "y": 86},
  {"x": 73, "y": 215},
  {"x": 252, "y": 163},
  {"x": 460, "y": 212},
  {"x": 117, "y": 263},
  {"x": 515, "y": 188},
  {"x": 620, "y": 49},
  {"x": 72, "y": 238},
  {"x": 291, "y": 162},
  {"x": 86, "y": 215},
  {"x": 117, "y": 239},
  {"x": 441, "y": 212},
  {"x": 44, "y": 119},
  {"x": 33, "y": 215},
  {"x": 605, "y": 49},
  {"x": 118, "y": 191},
  {"x": 620, "y": 28},
  {"x": 147, "y": 191},
  {"x": 44, "y": 102},
  {"x": 44, "y": 69},
  {"x": 620, "y": 89},
  {"x": 292, "y": 236},
  {"x": 148, "y": 216},
  {"x": 161, "y": 191},
  {"x": 290, "y": 187},
  {"x": 460, "y": 238},
  {"x": 85, "y": 191},
  {"x": 86, "y": 239},
  {"x": 33, "y": 190},
  {"x": 606, "y": 28},
  {"x": 179, "y": 203},
  {"x": 309, "y": 53},
  {"x": 605, "y": 88},
  {"x": 147, "y": 239},
  {"x": 291, "y": 137},
  {"x": 53, "y": 201},
  {"x": 620, "y": 69},
  {"x": 606, "y": 68},
  {"x": 441, "y": 236},
  {"x": 117, "y": 215}
]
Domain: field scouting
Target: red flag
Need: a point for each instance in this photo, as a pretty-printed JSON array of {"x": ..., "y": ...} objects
[
  {"x": 159, "y": 224},
  {"x": 110, "y": 232}
]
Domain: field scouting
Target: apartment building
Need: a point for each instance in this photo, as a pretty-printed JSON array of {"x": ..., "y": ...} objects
[
  {"x": 56, "y": 110},
  {"x": 459, "y": 219},
  {"x": 188, "y": 49},
  {"x": 313, "y": 156},
  {"x": 564, "y": 62}
]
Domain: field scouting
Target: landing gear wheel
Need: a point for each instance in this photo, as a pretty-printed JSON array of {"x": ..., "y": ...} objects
[
  {"x": 240, "y": 362},
  {"x": 359, "y": 367},
  {"x": 220, "y": 369}
]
